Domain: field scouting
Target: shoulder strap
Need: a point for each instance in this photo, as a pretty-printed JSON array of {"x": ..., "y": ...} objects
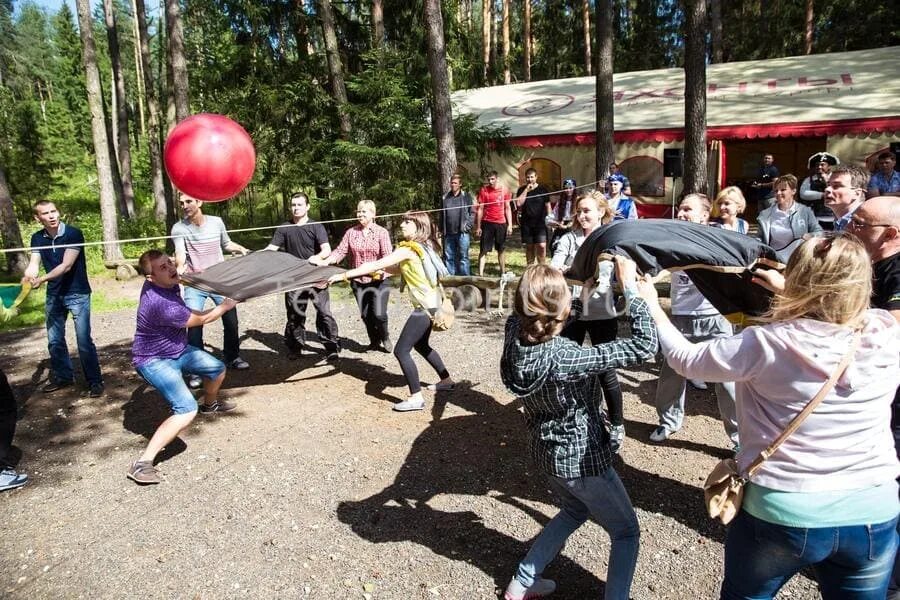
[{"x": 811, "y": 406}]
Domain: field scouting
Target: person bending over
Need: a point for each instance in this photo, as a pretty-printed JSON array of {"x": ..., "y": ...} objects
[{"x": 162, "y": 356}]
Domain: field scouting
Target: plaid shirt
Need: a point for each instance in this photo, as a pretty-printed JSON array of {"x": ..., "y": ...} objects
[
  {"x": 364, "y": 245},
  {"x": 558, "y": 383}
]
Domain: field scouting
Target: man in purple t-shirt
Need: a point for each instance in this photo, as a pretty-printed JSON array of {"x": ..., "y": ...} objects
[{"x": 162, "y": 356}]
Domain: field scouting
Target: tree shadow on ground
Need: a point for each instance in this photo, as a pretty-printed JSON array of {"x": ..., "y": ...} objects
[{"x": 484, "y": 454}]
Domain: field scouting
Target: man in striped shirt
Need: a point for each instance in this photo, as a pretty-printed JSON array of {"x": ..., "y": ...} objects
[{"x": 199, "y": 244}]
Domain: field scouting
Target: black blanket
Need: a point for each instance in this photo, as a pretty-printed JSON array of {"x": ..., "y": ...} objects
[
  {"x": 718, "y": 260},
  {"x": 259, "y": 274}
]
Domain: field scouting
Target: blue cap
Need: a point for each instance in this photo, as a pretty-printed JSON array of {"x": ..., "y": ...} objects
[
  {"x": 568, "y": 182},
  {"x": 617, "y": 177}
]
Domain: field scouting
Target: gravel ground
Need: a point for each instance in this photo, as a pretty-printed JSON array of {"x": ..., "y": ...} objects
[{"x": 314, "y": 488}]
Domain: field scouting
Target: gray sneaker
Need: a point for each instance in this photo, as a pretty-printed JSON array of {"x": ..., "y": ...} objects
[
  {"x": 218, "y": 407},
  {"x": 409, "y": 405},
  {"x": 144, "y": 473}
]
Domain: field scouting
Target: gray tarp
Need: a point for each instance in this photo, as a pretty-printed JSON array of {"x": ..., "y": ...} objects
[{"x": 259, "y": 274}]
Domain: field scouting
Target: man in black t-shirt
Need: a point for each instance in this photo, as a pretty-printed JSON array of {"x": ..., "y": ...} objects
[
  {"x": 304, "y": 238},
  {"x": 533, "y": 202}
]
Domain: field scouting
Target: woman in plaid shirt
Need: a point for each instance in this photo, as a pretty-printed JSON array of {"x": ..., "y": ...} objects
[{"x": 558, "y": 383}]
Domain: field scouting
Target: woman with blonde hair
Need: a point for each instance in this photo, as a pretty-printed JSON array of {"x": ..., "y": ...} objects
[
  {"x": 407, "y": 260},
  {"x": 826, "y": 498},
  {"x": 731, "y": 203},
  {"x": 557, "y": 380},
  {"x": 365, "y": 242},
  {"x": 599, "y": 316}
]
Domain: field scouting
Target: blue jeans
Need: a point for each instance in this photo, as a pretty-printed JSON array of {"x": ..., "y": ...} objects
[
  {"x": 57, "y": 309},
  {"x": 195, "y": 300},
  {"x": 456, "y": 252},
  {"x": 849, "y": 562},
  {"x": 167, "y": 376},
  {"x": 604, "y": 498}
]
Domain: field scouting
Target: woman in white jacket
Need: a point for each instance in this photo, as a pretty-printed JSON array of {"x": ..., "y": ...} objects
[{"x": 827, "y": 498}]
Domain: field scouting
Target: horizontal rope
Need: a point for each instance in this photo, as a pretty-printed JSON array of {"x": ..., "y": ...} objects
[{"x": 265, "y": 227}]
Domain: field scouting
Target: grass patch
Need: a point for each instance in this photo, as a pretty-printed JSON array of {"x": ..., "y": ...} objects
[{"x": 31, "y": 311}]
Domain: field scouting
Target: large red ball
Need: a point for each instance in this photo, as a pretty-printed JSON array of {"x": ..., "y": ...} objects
[{"x": 209, "y": 157}]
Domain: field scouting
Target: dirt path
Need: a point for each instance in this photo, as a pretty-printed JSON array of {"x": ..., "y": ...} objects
[{"x": 314, "y": 488}]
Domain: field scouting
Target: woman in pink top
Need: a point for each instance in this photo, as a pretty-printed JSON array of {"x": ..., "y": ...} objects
[
  {"x": 827, "y": 498},
  {"x": 364, "y": 243}
]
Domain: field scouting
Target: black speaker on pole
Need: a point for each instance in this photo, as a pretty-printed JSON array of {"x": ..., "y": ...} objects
[{"x": 672, "y": 162}]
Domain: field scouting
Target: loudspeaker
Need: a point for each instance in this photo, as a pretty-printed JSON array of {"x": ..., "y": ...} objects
[
  {"x": 672, "y": 162},
  {"x": 895, "y": 148}
]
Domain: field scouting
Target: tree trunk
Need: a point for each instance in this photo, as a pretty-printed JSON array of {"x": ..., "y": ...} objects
[
  {"x": 139, "y": 71},
  {"x": 695, "y": 97},
  {"x": 177, "y": 61},
  {"x": 161, "y": 209},
  {"x": 507, "y": 79},
  {"x": 808, "y": 38},
  {"x": 526, "y": 34},
  {"x": 111, "y": 251},
  {"x": 441, "y": 115},
  {"x": 301, "y": 29},
  {"x": 606, "y": 149},
  {"x": 586, "y": 23},
  {"x": 485, "y": 40},
  {"x": 715, "y": 18},
  {"x": 378, "y": 22},
  {"x": 16, "y": 262},
  {"x": 335, "y": 69},
  {"x": 123, "y": 147}
]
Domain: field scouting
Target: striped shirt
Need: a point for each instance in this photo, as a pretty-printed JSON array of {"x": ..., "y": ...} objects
[
  {"x": 202, "y": 244},
  {"x": 363, "y": 244},
  {"x": 558, "y": 383}
]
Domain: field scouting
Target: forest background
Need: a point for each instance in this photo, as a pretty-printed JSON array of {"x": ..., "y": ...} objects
[{"x": 344, "y": 100}]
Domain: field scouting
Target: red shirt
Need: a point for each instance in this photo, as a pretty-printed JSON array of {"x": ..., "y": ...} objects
[
  {"x": 363, "y": 245},
  {"x": 494, "y": 204}
]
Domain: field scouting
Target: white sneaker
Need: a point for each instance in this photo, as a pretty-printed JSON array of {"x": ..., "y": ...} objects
[
  {"x": 660, "y": 434},
  {"x": 541, "y": 587},
  {"x": 698, "y": 384},
  {"x": 410, "y": 404}
]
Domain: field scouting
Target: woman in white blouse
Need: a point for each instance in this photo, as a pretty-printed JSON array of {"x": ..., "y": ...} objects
[{"x": 827, "y": 498}]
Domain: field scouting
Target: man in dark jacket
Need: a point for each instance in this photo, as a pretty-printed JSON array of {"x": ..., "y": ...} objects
[{"x": 456, "y": 222}]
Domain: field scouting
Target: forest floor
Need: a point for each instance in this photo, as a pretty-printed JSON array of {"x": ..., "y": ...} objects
[{"x": 314, "y": 488}]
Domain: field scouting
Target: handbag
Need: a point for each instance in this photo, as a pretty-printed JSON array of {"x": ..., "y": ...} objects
[
  {"x": 723, "y": 489},
  {"x": 443, "y": 317}
]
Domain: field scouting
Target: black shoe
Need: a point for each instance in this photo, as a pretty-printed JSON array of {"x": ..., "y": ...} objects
[
  {"x": 387, "y": 345},
  {"x": 96, "y": 390},
  {"x": 53, "y": 385},
  {"x": 333, "y": 357}
]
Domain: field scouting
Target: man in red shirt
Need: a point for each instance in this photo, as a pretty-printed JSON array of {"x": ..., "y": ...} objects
[{"x": 493, "y": 221}]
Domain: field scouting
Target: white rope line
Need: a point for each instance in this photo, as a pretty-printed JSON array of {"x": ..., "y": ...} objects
[{"x": 265, "y": 227}]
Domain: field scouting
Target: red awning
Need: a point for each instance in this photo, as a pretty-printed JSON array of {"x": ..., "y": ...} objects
[{"x": 727, "y": 132}]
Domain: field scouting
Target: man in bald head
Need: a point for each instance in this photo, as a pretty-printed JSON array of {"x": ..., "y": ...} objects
[{"x": 877, "y": 225}]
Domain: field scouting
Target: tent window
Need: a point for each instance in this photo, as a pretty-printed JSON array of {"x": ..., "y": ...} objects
[{"x": 645, "y": 174}]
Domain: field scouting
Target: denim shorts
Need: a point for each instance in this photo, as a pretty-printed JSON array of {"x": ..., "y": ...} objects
[{"x": 167, "y": 376}]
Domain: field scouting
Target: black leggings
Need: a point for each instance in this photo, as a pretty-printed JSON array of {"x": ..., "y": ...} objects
[
  {"x": 601, "y": 331},
  {"x": 372, "y": 299},
  {"x": 416, "y": 333},
  {"x": 7, "y": 421}
]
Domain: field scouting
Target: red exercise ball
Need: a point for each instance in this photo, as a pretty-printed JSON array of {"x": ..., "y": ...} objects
[{"x": 209, "y": 157}]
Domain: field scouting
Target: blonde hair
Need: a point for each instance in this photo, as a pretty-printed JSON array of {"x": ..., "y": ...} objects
[
  {"x": 542, "y": 302},
  {"x": 366, "y": 204},
  {"x": 602, "y": 203},
  {"x": 787, "y": 179},
  {"x": 733, "y": 193},
  {"x": 827, "y": 279}
]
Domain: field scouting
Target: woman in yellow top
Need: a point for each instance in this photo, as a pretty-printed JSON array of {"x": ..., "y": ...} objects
[{"x": 407, "y": 260}]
